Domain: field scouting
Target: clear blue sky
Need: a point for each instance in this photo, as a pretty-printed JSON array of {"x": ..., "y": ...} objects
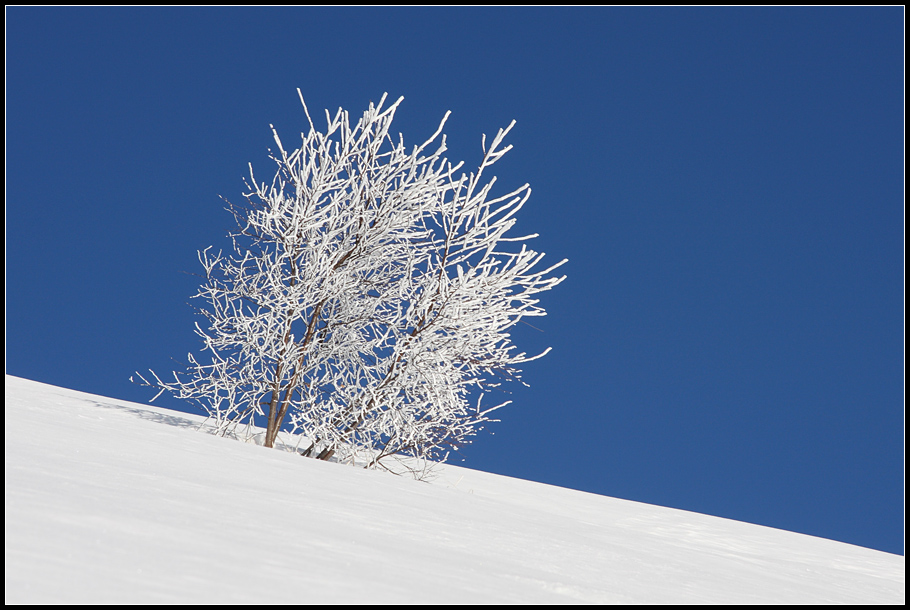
[{"x": 727, "y": 185}]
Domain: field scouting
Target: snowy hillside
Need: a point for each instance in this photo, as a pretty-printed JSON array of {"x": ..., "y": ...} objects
[{"x": 115, "y": 502}]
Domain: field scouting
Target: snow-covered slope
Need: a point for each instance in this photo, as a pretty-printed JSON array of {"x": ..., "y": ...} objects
[{"x": 110, "y": 501}]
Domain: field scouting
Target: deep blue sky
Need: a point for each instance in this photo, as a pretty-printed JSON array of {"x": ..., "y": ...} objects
[{"x": 727, "y": 185}]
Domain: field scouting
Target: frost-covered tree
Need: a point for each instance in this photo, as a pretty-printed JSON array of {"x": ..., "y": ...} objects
[{"x": 366, "y": 304}]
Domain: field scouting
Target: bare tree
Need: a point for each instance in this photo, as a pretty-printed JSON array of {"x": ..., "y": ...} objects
[{"x": 367, "y": 301}]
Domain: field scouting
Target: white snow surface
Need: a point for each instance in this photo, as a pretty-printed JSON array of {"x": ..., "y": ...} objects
[{"x": 109, "y": 501}]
